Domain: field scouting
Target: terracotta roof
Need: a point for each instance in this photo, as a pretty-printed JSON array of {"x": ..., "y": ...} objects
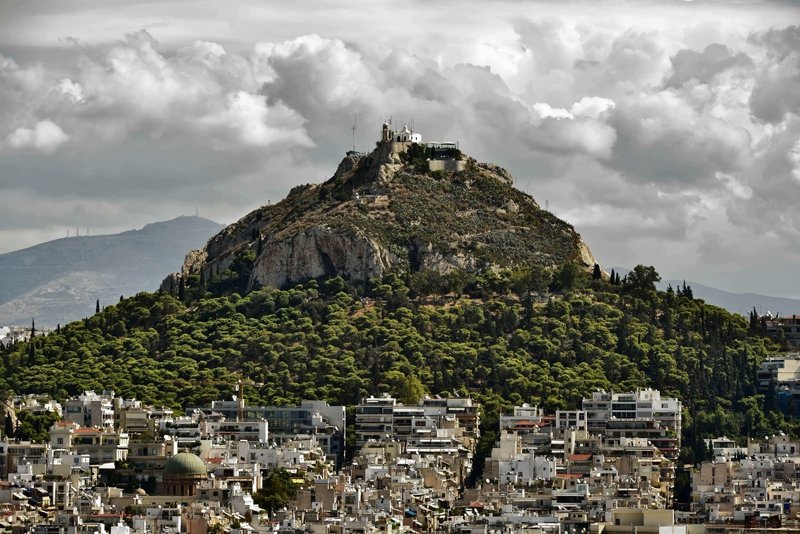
[{"x": 579, "y": 457}]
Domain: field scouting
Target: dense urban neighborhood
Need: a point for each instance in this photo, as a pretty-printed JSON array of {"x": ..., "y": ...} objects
[{"x": 110, "y": 464}]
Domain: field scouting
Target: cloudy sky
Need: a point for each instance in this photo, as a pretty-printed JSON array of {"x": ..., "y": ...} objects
[{"x": 666, "y": 131}]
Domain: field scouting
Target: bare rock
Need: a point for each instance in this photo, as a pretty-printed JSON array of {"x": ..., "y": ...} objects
[{"x": 319, "y": 251}]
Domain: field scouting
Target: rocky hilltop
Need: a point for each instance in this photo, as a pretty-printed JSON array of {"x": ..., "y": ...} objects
[{"x": 388, "y": 210}]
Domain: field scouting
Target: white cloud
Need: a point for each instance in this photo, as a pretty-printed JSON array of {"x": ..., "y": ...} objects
[
  {"x": 594, "y": 107},
  {"x": 545, "y": 111},
  {"x": 254, "y": 123},
  {"x": 659, "y": 129},
  {"x": 735, "y": 185},
  {"x": 45, "y": 136},
  {"x": 71, "y": 90},
  {"x": 794, "y": 158}
]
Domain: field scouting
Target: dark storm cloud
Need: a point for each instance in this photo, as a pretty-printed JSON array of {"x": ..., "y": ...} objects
[
  {"x": 777, "y": 89},
  {"x": 703, "y": 66}
]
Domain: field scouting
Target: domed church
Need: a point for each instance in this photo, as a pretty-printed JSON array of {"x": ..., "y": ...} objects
[{"x": 182, "y": 472}]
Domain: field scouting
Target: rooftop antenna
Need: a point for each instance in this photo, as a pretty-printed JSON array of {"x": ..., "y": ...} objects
[
  {"x": 196, "y": 211},
  {"x": 354, "y": 131}
]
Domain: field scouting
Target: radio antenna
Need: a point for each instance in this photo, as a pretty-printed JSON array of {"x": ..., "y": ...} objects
[{"x": 354, "y": 131}]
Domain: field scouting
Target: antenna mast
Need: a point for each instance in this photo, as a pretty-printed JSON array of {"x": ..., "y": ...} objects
[{"x": 354, "y": 131}]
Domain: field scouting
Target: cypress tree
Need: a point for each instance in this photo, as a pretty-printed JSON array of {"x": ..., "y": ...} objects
[
  {"x": 596, "y": 273},
  {"x": 9, "y": 426},
  {"x": 97, "y": 306}
]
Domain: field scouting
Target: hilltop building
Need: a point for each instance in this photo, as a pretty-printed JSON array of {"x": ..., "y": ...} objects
[{"x": 441, "y": 156}]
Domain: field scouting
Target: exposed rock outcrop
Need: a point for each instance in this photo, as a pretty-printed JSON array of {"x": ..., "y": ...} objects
[
  {"x": 316, "y": 252},
  {"x": 384, "y": 211}
]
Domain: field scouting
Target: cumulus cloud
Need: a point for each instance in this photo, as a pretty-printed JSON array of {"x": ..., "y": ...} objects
[
  {"x": 45, "y": 136},
  {"x": 254, "y": 123},
  {"x": 777, "y": 84},
  {"x": 794, "y": 158},
  {"x": 649, "y": 137},
  {"x": 71, "y": 90},
  {"x": 662, "y": 138},
  {"x": 545, "y": 111},
  {"x": 593, "y": 107},
  {"x": 703, "y": 66}
]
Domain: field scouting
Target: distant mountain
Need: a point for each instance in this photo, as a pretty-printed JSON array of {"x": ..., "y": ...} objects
[
  {"x": 742, "y": 303},
  {"x": 60, "y": 281}
]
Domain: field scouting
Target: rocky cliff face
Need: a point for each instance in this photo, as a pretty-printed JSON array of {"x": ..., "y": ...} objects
[{"x": 385, "y": 211}]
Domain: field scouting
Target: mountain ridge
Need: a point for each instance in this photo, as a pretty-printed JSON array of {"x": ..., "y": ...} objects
[
  {"x": 741, "y": 303},
  {"x": 60, "y": 280}
]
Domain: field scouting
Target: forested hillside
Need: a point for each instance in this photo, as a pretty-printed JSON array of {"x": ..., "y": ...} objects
[{"x": 528, "y": 335}]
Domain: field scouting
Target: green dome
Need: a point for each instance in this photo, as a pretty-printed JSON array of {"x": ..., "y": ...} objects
[{"x": 185, "y": 464}]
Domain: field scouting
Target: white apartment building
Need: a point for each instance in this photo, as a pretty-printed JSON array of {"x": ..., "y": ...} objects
[
  {"x": 378, "y": 418},
  {"x": 374, "y": 419},
  {"x": 641, "y": 404},
  {"x": 778, "y": 370},
  {"x": 91, "y": 410}
]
